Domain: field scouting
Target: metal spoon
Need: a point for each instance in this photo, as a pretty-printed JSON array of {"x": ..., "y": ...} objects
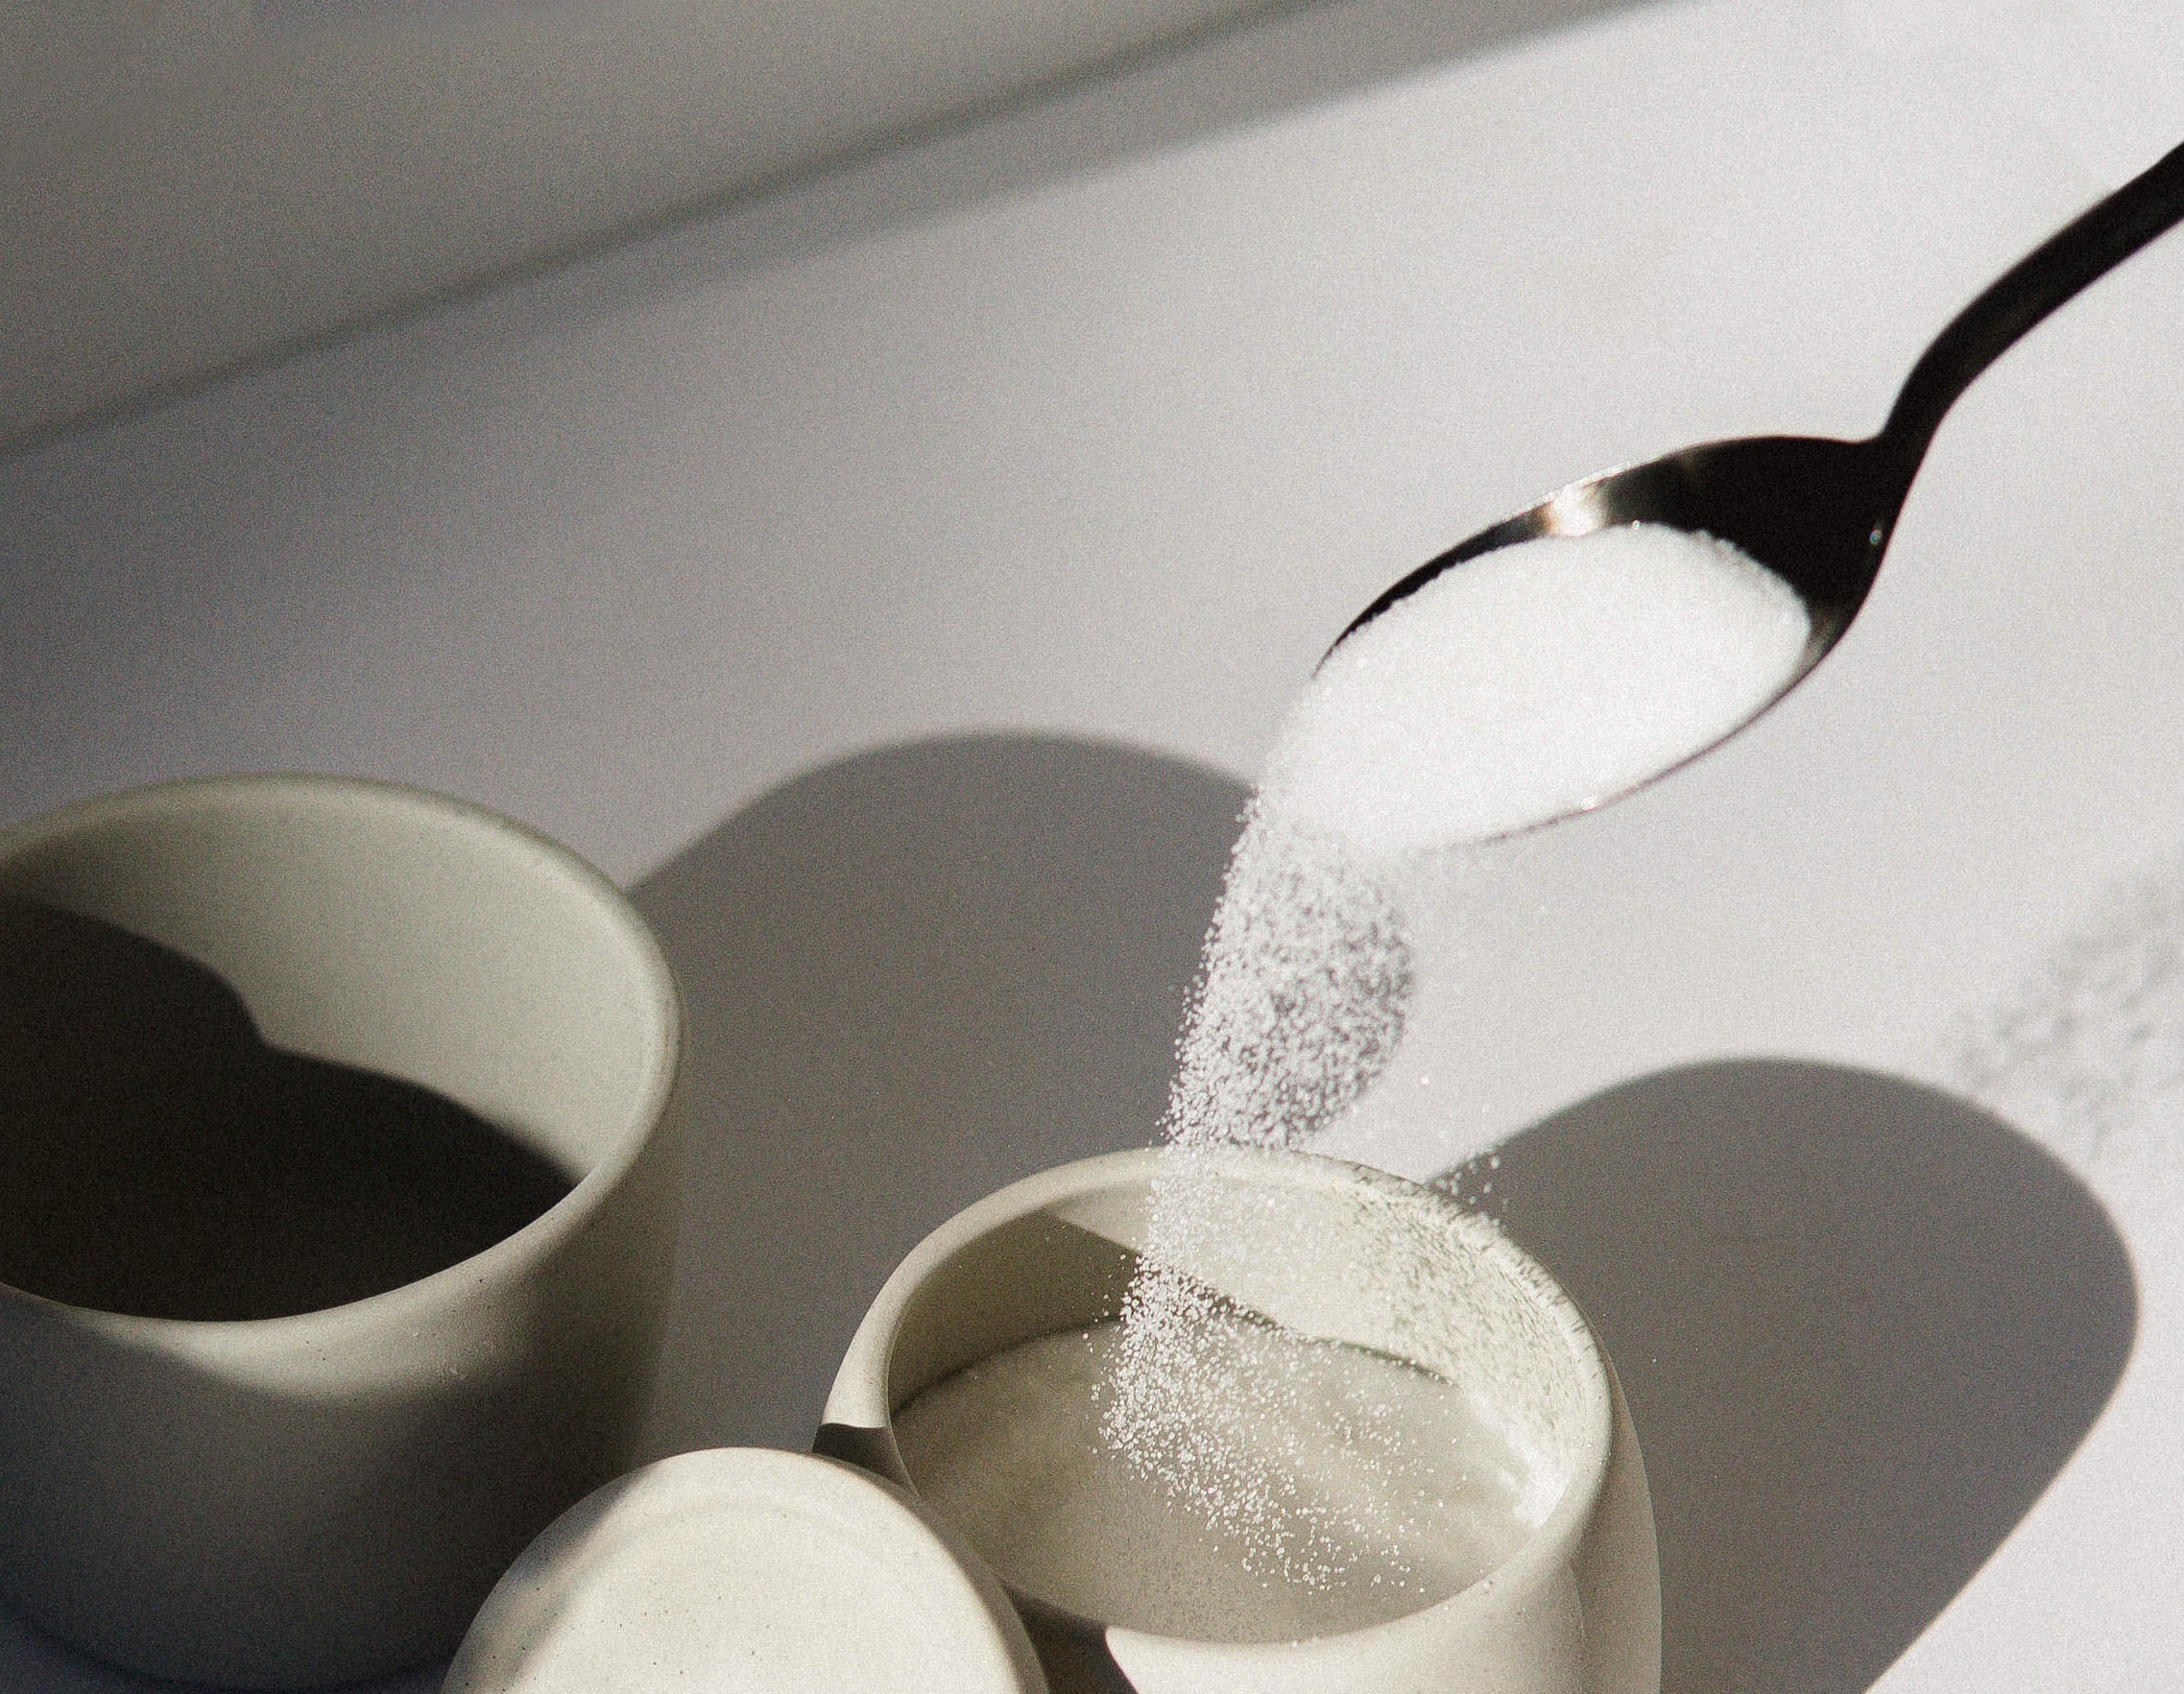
[{"x": 1817, "y": 510}]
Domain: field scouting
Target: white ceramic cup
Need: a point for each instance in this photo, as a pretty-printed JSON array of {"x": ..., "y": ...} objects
[
  {"x": 314, "y": 1499},
  {"x": 1324, "y": 1248}
]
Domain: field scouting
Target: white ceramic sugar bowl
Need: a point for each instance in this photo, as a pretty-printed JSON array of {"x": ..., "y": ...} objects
[{"x": 1318, "y": 1246}]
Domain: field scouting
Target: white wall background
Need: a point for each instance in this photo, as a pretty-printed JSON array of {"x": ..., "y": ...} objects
[
  {"x": 187, "y": 184},
  {"x": 184, "y": 182}
]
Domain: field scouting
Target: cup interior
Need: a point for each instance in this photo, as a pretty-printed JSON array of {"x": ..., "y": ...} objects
[
  {"x": 380, "y": 930},
  {"x": 388, "y": 929},
  {"x": 1331, "y": 1252}
]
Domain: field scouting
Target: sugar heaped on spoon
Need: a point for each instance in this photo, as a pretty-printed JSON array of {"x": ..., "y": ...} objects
[{"x": 1815, "y": 510}]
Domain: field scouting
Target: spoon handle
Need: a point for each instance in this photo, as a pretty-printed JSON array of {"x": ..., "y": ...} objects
[{"x": 2081, "y": 251}]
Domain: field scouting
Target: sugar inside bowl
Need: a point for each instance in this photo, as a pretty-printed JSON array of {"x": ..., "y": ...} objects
[{"x": 1242, "y": 1419}]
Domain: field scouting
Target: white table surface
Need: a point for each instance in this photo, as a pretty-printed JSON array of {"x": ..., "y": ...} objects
[{"x": 1111, "y": 452}]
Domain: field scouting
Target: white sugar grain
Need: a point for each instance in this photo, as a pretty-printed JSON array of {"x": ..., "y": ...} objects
[
  {"x": 1529, "y": 684},
  {"x": 1300, "y": 994},
  {"x": 1397, "y": 1495}
]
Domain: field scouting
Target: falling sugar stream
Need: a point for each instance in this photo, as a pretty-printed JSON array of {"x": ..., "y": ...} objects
[
  {"x": 1534, "y": 682},
  {"x": 1194, "y": 1470}
]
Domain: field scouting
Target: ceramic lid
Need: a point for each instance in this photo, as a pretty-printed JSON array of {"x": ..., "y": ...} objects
[{"x": 743, "y": 1568}]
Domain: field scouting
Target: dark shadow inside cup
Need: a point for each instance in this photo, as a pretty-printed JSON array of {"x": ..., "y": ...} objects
[{"x": 158, "y": 1157}]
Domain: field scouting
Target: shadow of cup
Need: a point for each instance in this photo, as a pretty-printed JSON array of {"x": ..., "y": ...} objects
[
  {"x": 912, "y": 977},
  {"x": 1861, "y": 1324},
  {"x": 326, "y": 1495}
]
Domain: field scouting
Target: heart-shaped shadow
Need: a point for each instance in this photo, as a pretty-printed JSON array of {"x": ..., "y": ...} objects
[
  {"x": 1862, "y": 1324},
  {"x": 158, "y": 1157}
]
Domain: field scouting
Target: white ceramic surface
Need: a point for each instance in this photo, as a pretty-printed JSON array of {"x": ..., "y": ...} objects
[
  {"x": 311, "y": 1500},
  {"x": 1113, "y": 448},
  {"x": 1322, "y": 1247},
  {"x": 741, "y": 1570}
]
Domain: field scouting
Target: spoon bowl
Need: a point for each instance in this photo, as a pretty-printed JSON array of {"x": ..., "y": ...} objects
[{"x": 1815, "y": 510}]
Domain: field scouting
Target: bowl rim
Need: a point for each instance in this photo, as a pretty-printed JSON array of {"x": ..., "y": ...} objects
[
  {"x": 652, "y": 1103},
  {"x": 861, "y": 1393}
]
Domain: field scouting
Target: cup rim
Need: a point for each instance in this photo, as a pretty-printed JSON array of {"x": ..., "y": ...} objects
[
  {"x": 861, "y": 1394},
  {"x": 504, "y": 1259}
]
